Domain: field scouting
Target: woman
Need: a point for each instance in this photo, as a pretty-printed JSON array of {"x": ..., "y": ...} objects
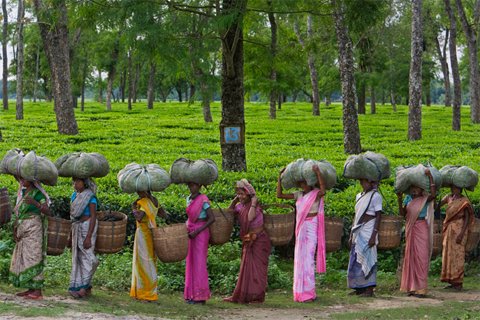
[
  {"x": 459, "y": 216},
  {"x": 200, "y": 217},
  {"x": 309, "y": 234},
  {"x": 83, "y": 213},
  {"x": 144, "y": 265},
  {"x": 418, "y": 212},
  {"x": 29, "y": 233},
  {"x": 252, "y": 280},
  {"x": 362, "y": 267}
]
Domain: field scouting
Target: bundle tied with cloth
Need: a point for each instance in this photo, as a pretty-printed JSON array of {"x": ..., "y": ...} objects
[
  {"x": 369, "y": 165},
  {"x": 82, "y": 165},
  {"x": 301, "y": 170},
  {"x": 408, "y": 176},
  {"x": 137, "y": 178},
  {"x": 203, "y": 171},
  {"x": 460, "y": 176}
]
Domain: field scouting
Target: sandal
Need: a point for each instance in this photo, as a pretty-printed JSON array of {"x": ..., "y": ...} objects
[
  {"x": 24, "y": 293},
  {"x": 74, "y": 294},
  {"x": 32, "y": 296}
]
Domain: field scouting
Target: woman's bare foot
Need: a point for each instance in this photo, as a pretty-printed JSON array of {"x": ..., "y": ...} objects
[
  {"x": 34, "y": 295},
  {"x": 24, "y": 293}
]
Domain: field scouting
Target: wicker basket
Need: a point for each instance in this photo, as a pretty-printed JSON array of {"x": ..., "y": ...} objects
[
  {"x": 171, "y": 242},
  {"x": 390, "y": 232},
  {"x": 333, "y": 233},
  {"x": 280, "y": 227},
  {"x": 437, "y": 244},
  {"x": 58, "y": 232},
  {"x": 221, "y": 229},
  {"x": 5, "y": 207},
  {"x": 437, "y": 226},
  {"x": 473, "y": 237},
  {"x": 111, "y": 235}
]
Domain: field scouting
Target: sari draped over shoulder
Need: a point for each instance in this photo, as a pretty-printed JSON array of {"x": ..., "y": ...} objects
[
  {"x": 196, "y": 273},
  {"x": 309, "y": 240},
  {"x": 453, "y": 254},
  {"x": 418, "y": 246},
  {"x": 144, "y": 264},
  {"x": 252, "y": 279},
  {"x": 28, "y": 258},
  {"x": 84, "y": 261}
]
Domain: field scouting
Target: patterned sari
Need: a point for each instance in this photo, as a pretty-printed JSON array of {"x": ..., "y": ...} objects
[
  {"x": 144, "y": 265},
  {"x": 196, "y": 274},
  {"x": 418, "y": 247},
  {"x": 252, "y": 280},
  {"x": 28, "y": 258},
  {"x": 309, "y": 239},
  {"x": 453, "y": 255}
]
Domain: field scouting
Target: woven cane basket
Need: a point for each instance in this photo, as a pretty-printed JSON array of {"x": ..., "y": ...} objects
[
  {"x": 280, "y": 227},
  {"x": 111, "y": 235},
  {"x": 221, "y": 229},
  {"x": 58, "y": 232},
  {"x": 171, "y": 242}
]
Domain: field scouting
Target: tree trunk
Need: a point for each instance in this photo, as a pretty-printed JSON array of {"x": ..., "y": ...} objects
[
  {"x": 328, "y": 100},
  {"x": 112, "y": 70},
  {"x": 415, "y": 78},
  {"x": 4, "y": 55},
  {"x": 207, "y": 114},
  {"x": 20, "y": 59},
  {"x": 191, "y": 96},
  {"x": 373, "y": 103},
  {"x": 233, "y": 111},
  {"x": 37, "y": 71},
  {"x": 428, "y": 95},
  {"x": 151, "y": 86},
  {"x": 393, "y": 101},
  {"x": 471, "y": 36},
  {"x": 361, "y": 97},
  {"x": 74, "y": 101},
  {"x": 123, "y": 81},
  {"x": 280, "y": 100},
  {"x": 135, "y": 83},
  {"x": 100, "y": 86},
  {"x": 442, "y": 56},
  {"x": 273, "y": 53},
  {"x": 130, "y": 81},
  {"x": 351, "y": 131},
  {"x": 179, "y": 93},
  {"x": 457, "y": 86}
]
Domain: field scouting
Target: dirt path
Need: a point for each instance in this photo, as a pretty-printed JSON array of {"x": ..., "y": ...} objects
[{"x": 379, "y": 303}]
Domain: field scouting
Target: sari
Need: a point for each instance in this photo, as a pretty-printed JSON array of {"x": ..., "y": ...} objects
[
  {"x": 256, "y": 246},
  {"x": 144, "y": 265},
  {"x": 84, "y": 261},
  {"x": 362, "y": 266},
  {"x": 309, "y": 235},
  {"x": 29, "y": 254},
  {"x": 196, "y": 274},
  {"x": 453, "y": 254},
  {"x": 418, "y": 247}
]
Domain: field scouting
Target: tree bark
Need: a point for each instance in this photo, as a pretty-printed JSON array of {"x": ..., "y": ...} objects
[
  {"x": 151, "y": 86},
  {"x": 442, "y": 56},
  {"x": 361, "y": 98},
  {"x": 4, "y": 55},
  {"x": 273, "y": 53},
  {"x": 233, "y": 114},
  {"x": 393, "y": 101},
  {"x": 135, "y": 82},
  {"x": 457, "y": 86},
  {"x": 206, "y": 96},
  {"x": 373, "y": 102},
  {"x": 351, "y": 131},
  {"x": 20, "y": 59},
  {"x": 415, "y": 78},
  {"x": 191, "y": 95},
  {"x": 112, "y": 71},
  {"x": 130, "y": 81},
  {"x": 84, "y": 81},
  {"x": 471, "y": 35},
  {"x": 100, "y": 86},
  {"x": 123, "y": 82},
  {"x": 37, "y": 71}
]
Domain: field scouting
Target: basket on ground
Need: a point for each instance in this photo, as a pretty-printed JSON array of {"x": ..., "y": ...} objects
[
  {"x": 437, "y": 238},
  {"x": 333, "y": 233},
  {"x": 280, "y": 227},
  {"x": 58, "y": 232},
  {"x": 112, "y": 231},
  {"x": 221, "y": 229},
  {"x": 473, "y": 237},
  {"x": 390, "y": 232},
  {"x": 5, "y": 207},
  {"x": 171, "y": 242}
]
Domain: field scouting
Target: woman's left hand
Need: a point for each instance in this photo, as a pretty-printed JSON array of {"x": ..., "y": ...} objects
[
  {"x": 254, "y": 201},
  {"x": 372, "y": 241},
  {"x": 192, "y": 234},
  {"x": 31, "y": 201},
  {"x": 459, "y": 239},
  {"x": 87, "y": 243}
]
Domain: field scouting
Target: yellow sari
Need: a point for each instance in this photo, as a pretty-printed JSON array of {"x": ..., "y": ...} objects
[{"x": 144, "y": 266}]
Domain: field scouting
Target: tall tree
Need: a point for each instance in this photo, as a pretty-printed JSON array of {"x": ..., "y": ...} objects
[
  {"x": 415, "y": 79},
  {"x": 233, "y": 111},
  {"x": 273, "y": 53},
  {"x": 20, "y": 58},
  {"x": 53, "y": 23},
  {"x": 442, "y": 56},
  {"x": 351, "y": 131},
  {"x": 469, "y": 28},
  {"x": 4, "y": 55}
]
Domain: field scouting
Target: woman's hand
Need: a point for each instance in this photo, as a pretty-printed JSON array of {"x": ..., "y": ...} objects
[
  {"x": 428, "y": 172},
  {"x": 254, "y": 201},
  {"x": 315, "y": 168},
  {"x": 87, "y": 243},
  {"x": 192, "y": 234},
  {"x": 236, "y": 200},
  {"x": 459, "y": 239},
  {"x": 29, "y": 200},
  {"x": 138, "y": 214},
  {"x": 399, "y": 195},
  {"x": 372, "y": 241}
]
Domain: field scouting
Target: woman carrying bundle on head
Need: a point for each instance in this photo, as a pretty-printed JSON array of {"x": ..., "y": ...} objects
[
  {"x": 256, "y": 246},
  {"x": 459, "y": 216},
  {"x": 200, "y": 217},
  {"x": 29, "y": 233},
  {"x": 309, "y": 235},
  {"x": 83, "y": 213},
  {"x": 144, "y": 265},
  {"x": 417, "y": 208},
  {"x": 362, "y": 266}
]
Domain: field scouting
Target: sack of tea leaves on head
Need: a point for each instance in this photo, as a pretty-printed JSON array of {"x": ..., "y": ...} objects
[
  {"x": 9, "y": 164},
  {"x": 459, "y": 176},
  {"x": 137, "y": 178},
  {"x": 82, "y": 165},
  {"x": 36, "y": 168},
  {"x": 203, "y": 171},
  {"x": 369, "y": 165},
  {"x": 301, "y": 170},
  {"x": 407, "y": 176}
]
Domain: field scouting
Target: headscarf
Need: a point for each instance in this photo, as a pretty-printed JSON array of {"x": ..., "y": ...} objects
[
  {"x": 82, "y": 199},
  {"x": 246, "y": 186}
]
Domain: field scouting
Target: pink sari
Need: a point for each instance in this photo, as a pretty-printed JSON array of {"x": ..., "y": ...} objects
[
  {"x": 196, "y": 274},
  {"x": 418, "y": 247},
  {"x": 309, "y": 235}
]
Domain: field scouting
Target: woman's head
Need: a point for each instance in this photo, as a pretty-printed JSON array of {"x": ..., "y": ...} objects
[
  {"x": 194, "y": 187},
  {"x": 79, "y": 184},
  {"x": 368, "y": 185},
  {"x": 242, "y": 195},
  {"x": 416, "y": 191},
  {"x": 244, "y": 190},
  {"x": 304, "y": 186},
  {"x": 143, "y": 194},
  {"x": 455, "y": 190},
  {"x": 24, "y": 183}
]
